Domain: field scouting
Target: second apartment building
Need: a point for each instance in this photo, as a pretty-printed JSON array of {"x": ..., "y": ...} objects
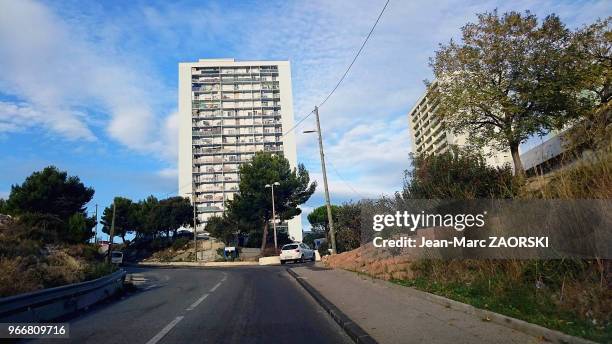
[
  {"x": 430, "y": 136},
  {"x": 228, "y": 111}
]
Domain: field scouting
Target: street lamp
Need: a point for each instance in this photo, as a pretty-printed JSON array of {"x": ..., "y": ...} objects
[
  {"x": 273, "y": 213},
  {"x": 332, "y": 234}
]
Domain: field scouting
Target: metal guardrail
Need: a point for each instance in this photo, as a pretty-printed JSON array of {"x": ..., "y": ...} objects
[{"x": 49, "y": 304}]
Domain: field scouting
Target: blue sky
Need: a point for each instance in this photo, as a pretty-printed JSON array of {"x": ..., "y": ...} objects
[{"x": 91, "y": 87}]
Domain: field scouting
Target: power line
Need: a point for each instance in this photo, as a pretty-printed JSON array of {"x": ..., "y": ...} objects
[
  {"x": 347, "y": 70},
  {"x": 356, "y": 56},
  {"x": 298, "y": 123},
  {"x": 344, "y": 180}
]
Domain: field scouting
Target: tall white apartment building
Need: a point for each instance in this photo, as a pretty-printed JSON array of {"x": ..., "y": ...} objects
[
  {"x": 229, "y": 110},
  {"x": 429, "y": 135}
]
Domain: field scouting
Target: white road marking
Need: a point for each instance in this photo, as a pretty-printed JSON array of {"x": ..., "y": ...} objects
[
  {"x": 150, "y": 286},
  {"x": 224, "y": 278},
  {"x": 165, "y": 330},
  {"x": 198, "y": 301},
  {"x": 215, "y": 287}
]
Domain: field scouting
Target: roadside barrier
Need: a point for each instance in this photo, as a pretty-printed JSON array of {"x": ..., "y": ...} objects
[{"x": 52, "y": 303}]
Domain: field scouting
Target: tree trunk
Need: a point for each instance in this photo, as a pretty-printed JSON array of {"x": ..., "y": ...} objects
[
  {"x": 516, "y": 159},
  {"x": 264, "y": 239}
]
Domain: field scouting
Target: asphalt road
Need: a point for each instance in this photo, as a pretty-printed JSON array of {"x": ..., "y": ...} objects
[{"x": 232, "y": 305}]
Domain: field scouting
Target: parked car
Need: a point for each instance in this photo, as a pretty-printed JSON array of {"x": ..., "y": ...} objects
[
  {"x": 203, "y": 236},
  {"x": 296, "y": 252},
  {"x": 184, "y": 234},
  {"x": 117, "y": 257}
]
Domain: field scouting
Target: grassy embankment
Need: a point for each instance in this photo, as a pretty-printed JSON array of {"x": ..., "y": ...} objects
[
  {"x": 572, "y": 296},
  {"x": 27, "y": 264}
]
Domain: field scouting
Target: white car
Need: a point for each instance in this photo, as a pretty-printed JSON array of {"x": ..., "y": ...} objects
[
  {"x": 297, "y": 252},
  {"x": 117, "y": 257}
]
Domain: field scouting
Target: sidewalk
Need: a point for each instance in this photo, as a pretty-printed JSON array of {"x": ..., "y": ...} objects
[{"x": 394, "y": 314}]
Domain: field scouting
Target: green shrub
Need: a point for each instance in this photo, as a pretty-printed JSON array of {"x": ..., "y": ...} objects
[
  {"x": 180, "y": 243},
  {"x": 99, "y": 269},
  {"x": 459, "y": 173},
  {"x": 159, "y": 244}
]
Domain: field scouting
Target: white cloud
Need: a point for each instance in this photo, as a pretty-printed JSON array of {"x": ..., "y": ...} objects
[
  {"x": 68, "y": 83},
  {"x": 365, "y": 123},
  {"x": 168, "y": 172},
  {"x": 78, "y": 69}
]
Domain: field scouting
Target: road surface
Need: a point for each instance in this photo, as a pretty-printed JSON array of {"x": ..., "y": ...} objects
[{"x": 231, "y": 305}]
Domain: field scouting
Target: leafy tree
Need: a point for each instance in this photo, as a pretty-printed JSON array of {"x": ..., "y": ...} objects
[
  {"x": 50, "y": 191},
  {"x": 222, "y": 228},
  {"x": 318, "y": 218},
  {"x": 178, "y": 212},
  {"x": 149, "y": 217},
  {"x": 348, "y": 227},
  {"x": 53, "y": 202},
  {"x": 3, "y": 206},
  {"x": 254, "y": 202},
  {"x": 592, "y": 47},
  {"x": 126, "y": 217},
  {"x": 153, "y": 216},
  {"x": 508, "y": 79},
  {"x": 457, "y": 174},
  {"x": 79, "y": 228}
]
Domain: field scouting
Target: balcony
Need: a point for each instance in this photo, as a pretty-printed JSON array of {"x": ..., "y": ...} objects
[{"x": 205, "y": 133}]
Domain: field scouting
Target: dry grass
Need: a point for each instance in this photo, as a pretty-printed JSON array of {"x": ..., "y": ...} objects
[
  {"x": 27, "y": 265},
  {"x": 588, "y": 178}
]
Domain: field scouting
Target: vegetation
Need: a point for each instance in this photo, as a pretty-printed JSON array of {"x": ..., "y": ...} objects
[
  {"x": 507, "y": 80},
  {"x": 585, "y": 179},
  {"x": 251, "y": 209},
  {"x": 54, "y": 204},
  {"x": 126, "y": 217},
  {"x": 592, "y": 47},
  {"x": 148, "y": 218},
  {"x": 318, "y": 218},
  {"x": 457, "y": 174},
  {"x": 44, "y": 243},
  {"x": 222, "y": 228},
  {"x": 510, "y": 78},
  {"x": 347, "y": 225},
  {"x": 565, "y": 295},
  {"x": 572, "y": 295}
]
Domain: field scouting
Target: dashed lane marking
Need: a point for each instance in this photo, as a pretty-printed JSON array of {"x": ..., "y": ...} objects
[
  {"x": 215, "y": 287},
  {"x": 198, "y": 301},
  {"x": 165, "y": 330}
]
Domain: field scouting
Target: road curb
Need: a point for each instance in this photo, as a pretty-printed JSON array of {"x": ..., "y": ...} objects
[
  {"x": 500, "y": 319},
  {"x": 357, "y": 334}
]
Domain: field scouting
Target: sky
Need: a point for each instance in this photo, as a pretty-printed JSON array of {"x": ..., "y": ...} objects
[{"x": 91, "y": 87}]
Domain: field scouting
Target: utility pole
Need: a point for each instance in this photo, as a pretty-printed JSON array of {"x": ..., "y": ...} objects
[
  {"x": 195, "y": 222},
  {"x": 332, "y": 234},
  {"x": 96, "y": 228},
  {"x": 111, "y": 235},
  {"x": 273, "y": 213}
]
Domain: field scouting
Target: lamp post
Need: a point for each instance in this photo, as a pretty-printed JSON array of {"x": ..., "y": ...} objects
[
  {"x": 273, "y": 212},
  {"x": 332, "y": 234},
  {"x": 195, "y": 221}
]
